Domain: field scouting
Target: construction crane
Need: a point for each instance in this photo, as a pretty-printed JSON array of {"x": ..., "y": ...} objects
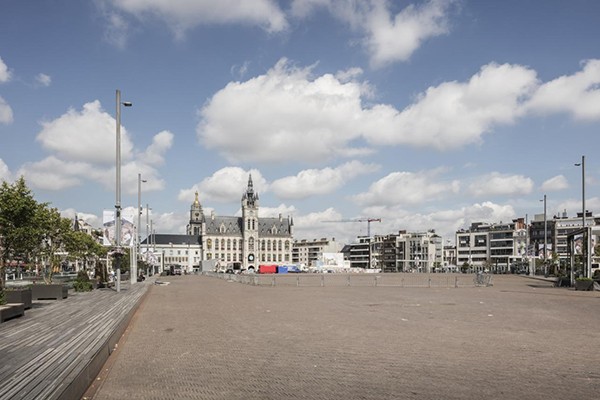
[{"x": 367, "y": 220}]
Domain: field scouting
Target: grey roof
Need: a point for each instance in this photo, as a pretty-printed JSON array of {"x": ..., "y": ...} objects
[
  {"x": 232, "y": 225},
  {"x": 167, "y": 238},
  {"x": 273, "y": 227}
]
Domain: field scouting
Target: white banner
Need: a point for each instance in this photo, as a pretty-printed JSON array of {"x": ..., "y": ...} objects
[{"x": 127, "y": 228}]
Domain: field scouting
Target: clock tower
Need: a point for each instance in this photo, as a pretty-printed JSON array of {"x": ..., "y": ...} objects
[
  {"x": 250, "y": 227},
  {"x": 196, "y": 218}
]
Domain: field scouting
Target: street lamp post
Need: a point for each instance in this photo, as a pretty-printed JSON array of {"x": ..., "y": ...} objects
[
  {"x": 138, "y": 239},
  {"x": 587, "y": 265},
  {"x": 147, "y": 238},
  {"x": 118, "y": 191},
  {"x": 545, "y": 255}
]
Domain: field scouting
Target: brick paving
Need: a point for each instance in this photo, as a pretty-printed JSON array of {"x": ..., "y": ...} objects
[{"x": 205, "y": 338}]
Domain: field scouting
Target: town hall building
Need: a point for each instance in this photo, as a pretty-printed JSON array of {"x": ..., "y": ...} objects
[{"x": 243, "y": 242}]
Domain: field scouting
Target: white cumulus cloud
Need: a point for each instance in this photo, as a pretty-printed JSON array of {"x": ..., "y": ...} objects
[
  {"x": 5, "y": 73},
  {"x": 311, "y": 182},
  {"x": 226, "y": 185},
  {"x": 407, "y": 188},
  {"x": 82, "y": 148},
  {"x": 43, "y": 79},
  {"x": 396, "y": 38},
  {"x": 287, "y": 114},
  {"x": 183, "y": 15},
  {"x": 86, "y": 135},
  {"x": 577, "y": 94},
  {"x": 454, "y": 114},
  {"x": 6, "y": 112},
  {"x": 283, "y": 115},
  {"x": 5, "y": 174},
  {"x": 497, "y": 184},
  {"x": 387, "y": 37},
  {"x": 555, "y": 183}
]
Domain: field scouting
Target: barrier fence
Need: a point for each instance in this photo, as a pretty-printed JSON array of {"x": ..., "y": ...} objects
[{"x": 408, "y": 280}]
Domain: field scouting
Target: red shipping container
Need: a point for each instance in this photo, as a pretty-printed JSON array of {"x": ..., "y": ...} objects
[{"x": 267, "y": 269}]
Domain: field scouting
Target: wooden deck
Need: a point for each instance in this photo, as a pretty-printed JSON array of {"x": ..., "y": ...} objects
[{"x": 58, "y": 348}]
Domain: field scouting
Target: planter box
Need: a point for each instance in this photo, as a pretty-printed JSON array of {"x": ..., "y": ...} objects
[
  {"x": 19, "y": 296},
  {"x": 584, "y": 285},
  {"x": 56, "y": 291},
  {"x": 11, "y": 310}
]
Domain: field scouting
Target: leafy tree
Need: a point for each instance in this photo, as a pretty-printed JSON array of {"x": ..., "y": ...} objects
[
  {"x": 55, "y": 231},
  {"x": 19, "y": 228},
  {"x": 82, "y": 246}
]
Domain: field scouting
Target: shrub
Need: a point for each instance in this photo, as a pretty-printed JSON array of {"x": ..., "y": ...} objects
[
  {"x": 82, "y": 282},
  {"x": 80, "y": 286}
]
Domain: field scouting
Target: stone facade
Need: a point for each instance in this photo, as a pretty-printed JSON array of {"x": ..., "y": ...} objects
[{"x": 243, "y": 242}]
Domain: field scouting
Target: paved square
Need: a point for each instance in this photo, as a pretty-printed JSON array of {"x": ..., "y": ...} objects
[{"x": 205, "y": 338}]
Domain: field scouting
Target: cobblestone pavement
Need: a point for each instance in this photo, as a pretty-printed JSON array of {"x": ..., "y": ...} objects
[{"x": 204, "y": 338}]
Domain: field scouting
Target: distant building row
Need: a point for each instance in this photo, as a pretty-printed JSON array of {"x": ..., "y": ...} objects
[{"x": 246, "y": 242}]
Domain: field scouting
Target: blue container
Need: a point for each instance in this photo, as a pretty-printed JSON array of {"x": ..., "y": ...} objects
[{"x": 282, "y": 270}]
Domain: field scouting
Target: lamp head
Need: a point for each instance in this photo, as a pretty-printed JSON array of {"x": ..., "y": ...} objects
[{"x": 127, "y": 103}]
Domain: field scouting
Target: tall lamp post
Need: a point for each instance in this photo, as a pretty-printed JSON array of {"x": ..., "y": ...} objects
[
  {"x": 118, "y": 191},
  {"x": 545, "y": 238},
  {"x": 587, "y": 265},
  {"x": 138, "y": 237}
]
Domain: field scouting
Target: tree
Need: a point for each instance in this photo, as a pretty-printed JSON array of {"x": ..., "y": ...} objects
[
  {"x": 19, "y": 230},
  {"x": 82, "y": 246},
  {"x": 55, "y": 231}
]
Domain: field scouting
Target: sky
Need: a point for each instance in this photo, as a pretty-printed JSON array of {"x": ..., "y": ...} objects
[{"x": 423, "y": 114}]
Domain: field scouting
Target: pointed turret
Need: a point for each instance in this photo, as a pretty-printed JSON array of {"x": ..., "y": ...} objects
[{"x": 249, "y": 196}]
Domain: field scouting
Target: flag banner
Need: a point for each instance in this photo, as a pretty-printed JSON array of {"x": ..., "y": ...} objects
[{"x": 127, "y": 228}]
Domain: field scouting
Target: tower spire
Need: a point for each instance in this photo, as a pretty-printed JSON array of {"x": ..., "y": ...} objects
[{"x": 250, "y": 196}]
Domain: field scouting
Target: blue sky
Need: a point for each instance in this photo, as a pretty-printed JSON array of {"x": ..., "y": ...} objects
[{"x": 426, "y": 114}]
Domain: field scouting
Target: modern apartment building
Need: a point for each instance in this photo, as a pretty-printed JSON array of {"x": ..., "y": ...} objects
[
  {"x": 401, "y": 252},
  {"x": 308, "y": 252}
]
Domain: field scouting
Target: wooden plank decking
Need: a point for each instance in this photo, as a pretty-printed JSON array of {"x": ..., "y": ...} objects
[{"x": 58, "y": 348}]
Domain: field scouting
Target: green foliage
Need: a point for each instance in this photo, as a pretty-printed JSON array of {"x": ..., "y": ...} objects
[
  {"x": 18, "y": 221},
  {"x": 82, "y": 282},
  {"x": 584, "y": 279},
  {"x": 465, "y": 267}
]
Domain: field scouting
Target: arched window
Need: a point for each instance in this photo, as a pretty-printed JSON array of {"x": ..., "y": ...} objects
[
  {"x": 269, "y": 246},
  {"x": 262, "y": 245},
  {"x": 228, "y": 244},
  {"x": 209, "y": 244},
  {"x": 279, "y": 246},
  {"x": 287, "y": 245},
  {"x": 251, "y": 244}
]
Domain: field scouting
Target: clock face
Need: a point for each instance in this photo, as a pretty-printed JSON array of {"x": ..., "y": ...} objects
[
  {"x": 251, "y": 257},
  {"x": 197, "y": 214}
]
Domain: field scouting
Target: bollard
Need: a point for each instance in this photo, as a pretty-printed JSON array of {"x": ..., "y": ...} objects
[
  {"x": 297, "y": 280},
  {"x": 348, "y": 279},
  {"x": 322, "y": 280}
]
